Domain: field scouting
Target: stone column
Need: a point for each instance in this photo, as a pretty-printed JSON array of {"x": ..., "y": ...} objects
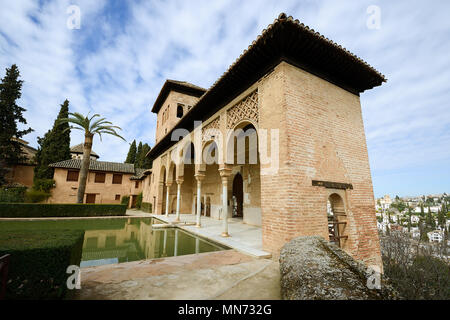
[
  {"x": 204, "y": 204},
  {"x": 225, "y": 172},
  {"x": 199, "y": 177},
  {"x": 179, "y": 183},
  {"x": 168, "y": 184}
]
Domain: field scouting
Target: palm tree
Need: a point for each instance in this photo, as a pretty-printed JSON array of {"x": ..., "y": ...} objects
[{"x": 90, "y": 128}]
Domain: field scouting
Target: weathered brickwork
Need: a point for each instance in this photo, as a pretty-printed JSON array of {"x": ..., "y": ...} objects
[{"x": 321, "y": 137}]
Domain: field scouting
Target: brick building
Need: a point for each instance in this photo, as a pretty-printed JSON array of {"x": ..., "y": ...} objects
[
  {"x": 278, "y": 141},
  {"x": 22, "y": 173},
  {"x": 107, "y": 182}
]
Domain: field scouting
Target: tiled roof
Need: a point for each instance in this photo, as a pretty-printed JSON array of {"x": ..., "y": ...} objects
[
  {"x": 179, "y": 86},
  {"x": 28, "y": 152},
  {"x": 79, "y": 149},
  {"x": 96, "y": 166},
  {"x": 286, "y": 39},
  {"x": 140, "y": 174}
]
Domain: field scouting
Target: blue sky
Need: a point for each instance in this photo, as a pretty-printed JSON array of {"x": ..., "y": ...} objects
[{"x": 118, "y": 60}]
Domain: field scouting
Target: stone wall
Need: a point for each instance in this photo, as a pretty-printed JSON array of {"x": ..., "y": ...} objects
[
  {"x": 314, "y": 269},
  {"x": 66, "y": 191}
]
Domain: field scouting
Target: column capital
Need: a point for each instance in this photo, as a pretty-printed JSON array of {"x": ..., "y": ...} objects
[
  {"x": 179, "y": 181},
  {"x": 199, "y": 176},
  {"x": 168, "y": 184},
  {"x": 225, "y": 170}
]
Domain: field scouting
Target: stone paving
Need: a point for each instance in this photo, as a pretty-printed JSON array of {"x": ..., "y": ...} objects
[{"x": 214, "y": 275}]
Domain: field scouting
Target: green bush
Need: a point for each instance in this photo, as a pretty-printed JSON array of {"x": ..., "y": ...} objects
[
  {"x": 139, "y": 200},
  {"x": 44, "y": 185},
  {"x": 125, "y": 200},
  {"x": 39, "y": 260},
  {"x": 13, "y": 194},
  {"x": 36, "y": 210},
  {"x": 146, "y": 207},
  {"x": 36, "y": 196}
]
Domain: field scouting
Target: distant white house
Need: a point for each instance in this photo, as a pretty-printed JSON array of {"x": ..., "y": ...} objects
[
  {"x": 435, "y": 236},
  {"x": 415, "y": 219},
  {"x": 415, "y": 232}
]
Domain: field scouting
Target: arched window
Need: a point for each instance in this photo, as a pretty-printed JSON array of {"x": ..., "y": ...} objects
[
  {"x": 336, "y": 220},
  {"x": 180, "y": 111}
]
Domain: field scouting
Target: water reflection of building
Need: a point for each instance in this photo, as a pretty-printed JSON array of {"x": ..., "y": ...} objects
[{"x": 136, "y": 240}]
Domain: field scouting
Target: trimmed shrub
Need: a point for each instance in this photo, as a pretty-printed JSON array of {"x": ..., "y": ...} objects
[
  {"x": 146, "y": 207},
  {"x": 125, "y": 200},
  {"x": 139, "y": 200},
  {"x": 37, "y": 210},
  {"x": 12, "y": 194},
  {"x": 36, "y": 196},
  {"x": 39, "y": 260}
]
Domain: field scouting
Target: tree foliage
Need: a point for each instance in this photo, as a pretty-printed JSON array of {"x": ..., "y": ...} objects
[
  {"x": 417, "y": 271},
  {"x": 137, "y": 155},
  {"x": 131, "y": 156},
  {"x": 90, "y": 127},
  {"x": 54, "y": 146},
  {"x": 10, "y": 115}
]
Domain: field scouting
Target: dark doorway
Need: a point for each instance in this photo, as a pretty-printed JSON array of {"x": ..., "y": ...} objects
[
  {"x": 90, "y": 198},
  {"x": 238, "y": 196},
  {"x": 133, "y": 201},
  {"x": 208, "y": 207}
]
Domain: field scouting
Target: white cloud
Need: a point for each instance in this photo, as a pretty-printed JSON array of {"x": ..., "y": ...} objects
[{"x": 116, "y": 63}]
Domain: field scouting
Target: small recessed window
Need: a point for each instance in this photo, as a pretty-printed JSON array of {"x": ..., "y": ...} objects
[
  {"x": 72, "y": 175},
  {"x": 117, "y": 179},
  {"x": 100, "y": 177},
  {"x": 180, "y": 111},
  {"x": 117, "y": 196},
  {"x": 136, "y": 184}
]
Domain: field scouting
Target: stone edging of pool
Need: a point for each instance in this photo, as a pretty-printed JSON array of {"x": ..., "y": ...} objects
[
  {"x": 128, "y": 215},
  {"x": 218, "y": 240}
]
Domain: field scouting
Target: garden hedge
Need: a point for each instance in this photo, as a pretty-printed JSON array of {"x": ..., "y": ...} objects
[
  {"x": 39, "y": 261},
  {"x": 146, "y": 207},
  {"x": 37, "y": 210}
]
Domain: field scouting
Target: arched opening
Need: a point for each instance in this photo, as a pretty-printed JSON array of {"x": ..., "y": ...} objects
[
  {"x": 187, "y": 172},
  {"x": 336, "y": 220},
  {"x": 162, "y": 190},
  {"x": 242, "y": 152},
  {"x": 238, "y": 196},
  {"x": 179, "y": 111},
  {"x": 211, "y": 185}
]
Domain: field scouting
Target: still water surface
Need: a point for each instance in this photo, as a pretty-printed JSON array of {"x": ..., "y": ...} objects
[{"x": 108, "y": 241}]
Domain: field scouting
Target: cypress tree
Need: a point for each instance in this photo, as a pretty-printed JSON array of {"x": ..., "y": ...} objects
[
  {"x": 131, "y": 156},
  {"x": 54, "y": 146},
  {"x": 146, "y": 163},
  {"x": 10, "y": 115},
  {"x": 138, "y": 159}
]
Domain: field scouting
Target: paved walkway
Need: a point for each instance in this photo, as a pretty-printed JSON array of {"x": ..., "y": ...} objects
[
  {"x": 243, "y": 237},
  {"x": 205, "y": 276}
]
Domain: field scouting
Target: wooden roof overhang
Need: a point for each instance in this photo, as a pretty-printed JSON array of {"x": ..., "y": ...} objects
[{"x": 284, "y": 40}]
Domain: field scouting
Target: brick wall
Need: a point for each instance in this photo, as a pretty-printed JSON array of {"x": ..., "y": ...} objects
[{"x": 321, "y": 138}]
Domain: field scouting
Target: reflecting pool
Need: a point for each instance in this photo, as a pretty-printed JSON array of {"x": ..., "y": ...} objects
[{"x": 108, "y": 241}]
